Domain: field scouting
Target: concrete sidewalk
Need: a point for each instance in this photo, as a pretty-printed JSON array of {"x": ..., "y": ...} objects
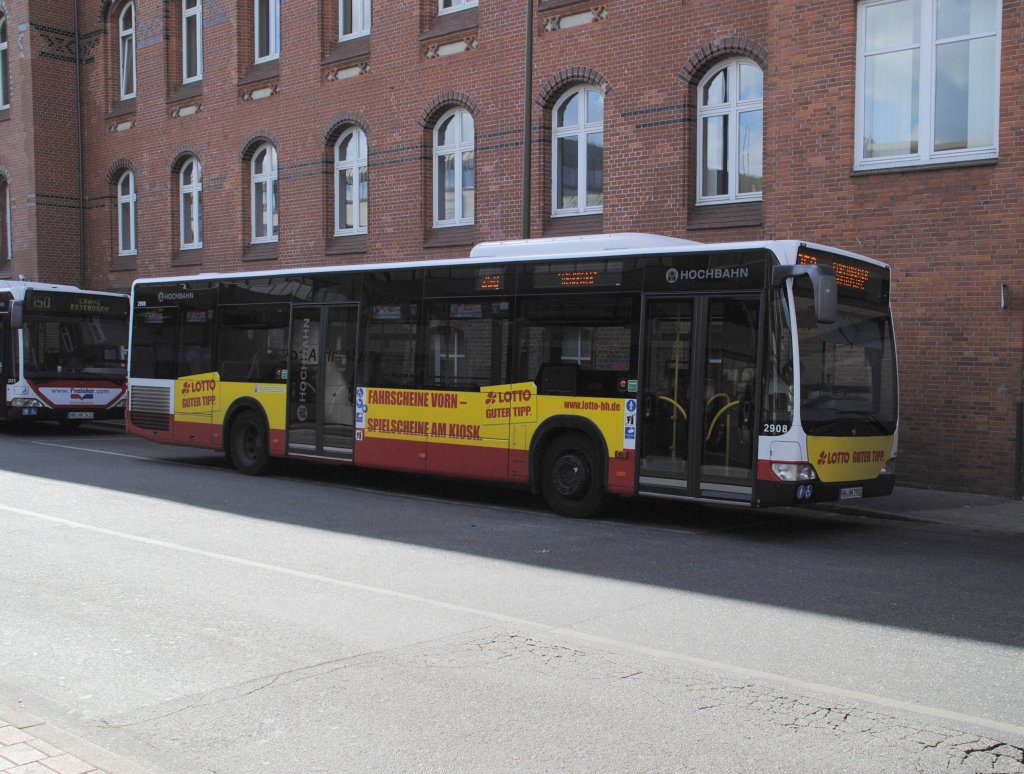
[
  {"x": 971, "y": 511},
  {"x": 29, "y": 745},
  {"x": 23, "y": 753}
]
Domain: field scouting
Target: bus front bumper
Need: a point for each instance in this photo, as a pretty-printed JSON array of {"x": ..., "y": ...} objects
[{"x": 772, "y": 493}]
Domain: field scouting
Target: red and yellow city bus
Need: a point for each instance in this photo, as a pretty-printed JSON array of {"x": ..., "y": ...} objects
[
  {"x": 63, "y": 353},
  {"x": 629, "y": 364}
]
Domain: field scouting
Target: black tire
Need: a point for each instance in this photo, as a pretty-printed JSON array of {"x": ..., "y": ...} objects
[
  {"x": 247, "y": 443},
  {"x": 570, "y": 479}
]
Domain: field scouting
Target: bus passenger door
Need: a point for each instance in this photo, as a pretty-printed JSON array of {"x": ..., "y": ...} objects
[
  {"x": 665, "y": 411},
  {"x": 5, "y": 354},
  {"x": 696, "y": 427},
  {"x": 321, "y": 379}
]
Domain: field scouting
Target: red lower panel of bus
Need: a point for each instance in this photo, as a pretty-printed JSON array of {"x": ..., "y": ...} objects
[
  {"x": 442, "y": 459},
  {"x": 487, "y": 464}
]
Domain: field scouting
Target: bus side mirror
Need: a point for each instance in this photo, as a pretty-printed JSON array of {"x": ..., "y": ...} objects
[
  {"x": 823, "y": 281},
  {"x": 17, "y": 314}
]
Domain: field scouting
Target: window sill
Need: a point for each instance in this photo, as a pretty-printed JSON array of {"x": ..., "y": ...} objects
[
  {"x": 124, "y": 263},
  {"x": 552, "y": 5},
  {"x": 926, "y": 167},
  {"x": 125, "y": 107},
  {"x": 262, "y": 251},
  {"x": 574, "y": 225},
  {"x": 186, "y": 91},
  {"x": 726, "y": 215},
  {"x": 452, "y": 24},
  {"x": 193, "y": 257},
  {"x": 348, "y": 50},
  {"x": 350, "y": 244},
  {"x": 451, "y": 236},
  {"x": 265, "y": 71},
  {"x": 5, "y": 114}
]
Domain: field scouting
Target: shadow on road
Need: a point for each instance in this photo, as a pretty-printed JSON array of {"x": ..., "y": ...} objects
[{"x": 912, "y": 575}]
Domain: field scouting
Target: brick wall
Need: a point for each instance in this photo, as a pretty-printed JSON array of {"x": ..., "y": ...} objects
[{"x": 952, "y": 235}]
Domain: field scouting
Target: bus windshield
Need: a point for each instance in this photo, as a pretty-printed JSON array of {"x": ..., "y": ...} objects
[
  {"x": 67, "y": 346},
  {"x": 847, "y": 368}
]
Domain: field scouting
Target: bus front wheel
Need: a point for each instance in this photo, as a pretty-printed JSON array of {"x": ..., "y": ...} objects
[
  {"x": 569, "y": 478},
  {"x": 247, "y": 444}
]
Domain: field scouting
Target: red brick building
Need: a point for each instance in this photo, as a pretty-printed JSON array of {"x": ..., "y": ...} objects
[{"x": 158, "y": 137}]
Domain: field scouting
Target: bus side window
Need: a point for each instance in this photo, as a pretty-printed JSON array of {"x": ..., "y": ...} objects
[
  {"x": 466, "y": 344},
  {"x": 251, "y": 342},
  {"x": 195, "y": 340},
  {"x": 151, "y": 358},
  {"x": 587, "y": 345},
  {"x": 389, "y": 345}
]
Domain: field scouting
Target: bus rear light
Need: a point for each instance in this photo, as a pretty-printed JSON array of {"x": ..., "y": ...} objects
[
  {"x": 793, "y": 471},
  {"x": 889, "y": 469}
]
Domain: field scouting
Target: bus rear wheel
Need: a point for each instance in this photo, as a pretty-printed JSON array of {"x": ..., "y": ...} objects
[
  {"x": 569, "y": 477},
  {"x": 247, "y": 443}
]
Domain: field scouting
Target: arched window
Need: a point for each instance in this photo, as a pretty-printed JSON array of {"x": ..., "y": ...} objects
[
  {"x": 264, "y": 194},
  {"x": 5, "y": 78},
  {"x": 351, "y": 183},
  {"x": 578, "y": 148},
  {"x": 6, "y": 230},
  {"x": 454, "y": 169},
  {"x": 267, "y": 30},
  {"x": 126, "y": 214},
  {"x": 126, "y": 35},
  {"x": 730, "y": 133},
  {"x": 191, "y": 40},
  {"x": 353, "y": 18},
  {"x": 190, "y": 204}
]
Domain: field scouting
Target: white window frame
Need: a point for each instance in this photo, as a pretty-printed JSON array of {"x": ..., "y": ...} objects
[
  {"x": 577, "y": 346},
  {"x": 126, "y": 208},
  {"x": 451, "y": 6},
  {"x": 449, "y": 348},
  {"x": 273, "y": 9},
  {"x": 358, "y": 167},
  {"x": 927, "y": 46},
  {"x": 190, "y": 214},
  {"x": 458, "y": 148},
  {"x": 580, "y": 131},
  {"x": 361, "y": 17},
  {"x": 731, "y": 109},
  {"x": 127, "y": 53},
  {"x": 268, "y": 180},
  {"x": 195, "y": 14},
  {"x": 5, "y": 63},
  {"x": 8, "y": 235}
]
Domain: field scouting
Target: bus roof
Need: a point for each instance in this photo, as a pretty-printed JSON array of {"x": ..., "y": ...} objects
[
  {"x": 585, "y": 247},
  {"x": 21, "y": 286}
]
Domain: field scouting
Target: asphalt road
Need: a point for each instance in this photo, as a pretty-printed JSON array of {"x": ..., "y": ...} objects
[{"x": 191, "y": 619}]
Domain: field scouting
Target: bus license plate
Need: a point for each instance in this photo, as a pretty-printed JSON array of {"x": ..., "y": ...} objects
[
  {"x": 851, "y": 492},
  {"x": 80, "y": 415}
]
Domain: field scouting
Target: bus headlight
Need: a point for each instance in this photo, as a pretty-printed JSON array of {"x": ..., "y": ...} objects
[
  {"x": 889, "y": 469},
  {"x": 120, "y": 403},
  {"x": 794, "y": 471},
  {"x": 27, "y": 403}
]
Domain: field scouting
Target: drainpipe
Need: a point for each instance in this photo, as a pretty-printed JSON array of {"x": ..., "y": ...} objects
[
  {"x": 81, "y": 150},
  {"x": 527, "y": 120},
  {"x": 1019, "y": 461}
]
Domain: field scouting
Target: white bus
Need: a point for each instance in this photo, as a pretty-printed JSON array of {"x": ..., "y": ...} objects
[
  {"x": 63, "y": 353},
  {"x": 758, "y": 373}
]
